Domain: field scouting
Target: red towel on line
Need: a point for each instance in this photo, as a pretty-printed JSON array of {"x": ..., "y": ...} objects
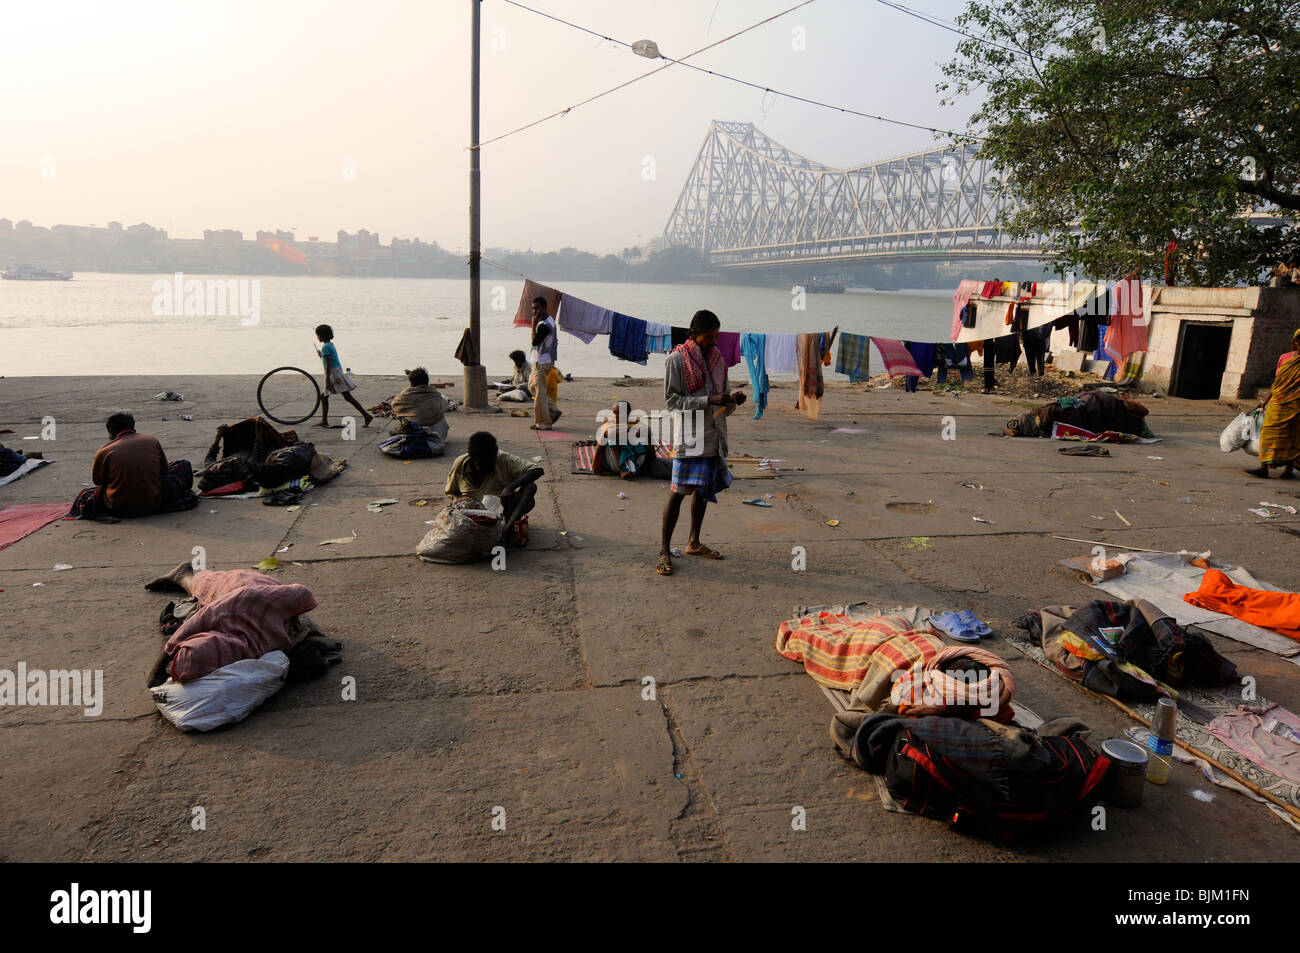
[
  {"x": 524, "y": 314},
  {"x": 1127, "y": 333}
]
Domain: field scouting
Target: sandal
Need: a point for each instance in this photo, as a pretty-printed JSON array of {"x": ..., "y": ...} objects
[
  {"x": 704, "y": 551},
  {"x": 664, "y": 567}
]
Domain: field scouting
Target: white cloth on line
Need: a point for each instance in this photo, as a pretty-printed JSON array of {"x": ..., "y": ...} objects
[
  {"x": 779, "y": 354},
  {"x": 583, "y": 319}
]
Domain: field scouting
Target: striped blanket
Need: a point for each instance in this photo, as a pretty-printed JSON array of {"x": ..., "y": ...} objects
[
  {"x": 844, "y": 653},
  {"x": 584, "y": 455}
]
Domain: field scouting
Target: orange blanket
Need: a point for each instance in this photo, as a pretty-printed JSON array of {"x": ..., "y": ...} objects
[{"x": 1278, "y": 611}]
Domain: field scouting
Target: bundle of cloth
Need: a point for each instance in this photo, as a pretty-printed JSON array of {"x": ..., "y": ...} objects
[
  {"x": 1095, "y": 410},
  {"x": 979, "y": 776},
  {"x": 251, "y": 454},
  {"x": 961, "y": 681},
  {"x": 1128, "y": 650}
]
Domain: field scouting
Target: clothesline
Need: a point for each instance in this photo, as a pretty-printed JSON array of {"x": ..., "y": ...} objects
[{"x": 634, "y": 339}]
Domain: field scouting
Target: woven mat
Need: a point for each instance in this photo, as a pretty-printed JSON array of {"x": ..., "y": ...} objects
[{"x": 1188, "y": 731}]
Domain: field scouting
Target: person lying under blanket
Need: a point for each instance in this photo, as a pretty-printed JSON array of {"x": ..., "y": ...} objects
[
  {"x": 244, "y": 614},
  {"x": 1095, "y": 410}
]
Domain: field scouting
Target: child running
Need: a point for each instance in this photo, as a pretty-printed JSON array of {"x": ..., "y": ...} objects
[{"x": 336, "y": 381}]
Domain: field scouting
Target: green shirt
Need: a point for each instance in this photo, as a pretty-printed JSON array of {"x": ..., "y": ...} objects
[{"x": 508, "y": 469}]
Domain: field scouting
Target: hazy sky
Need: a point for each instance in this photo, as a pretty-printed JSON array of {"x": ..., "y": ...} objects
[{"x": 235, "y": 114}]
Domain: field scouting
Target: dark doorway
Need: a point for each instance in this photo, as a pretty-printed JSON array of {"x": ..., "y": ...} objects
[{"x": 1202, "y": 358}]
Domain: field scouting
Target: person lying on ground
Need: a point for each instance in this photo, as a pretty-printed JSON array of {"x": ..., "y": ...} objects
[
  {"x": 243, "y": 614},
  {"x": 486, "y": 471},
  {"x": 422, "y": 403},
  {"x": 1279, "y": 437},
  {"x": 337, "y": 381},
  {"x": 695, "y": 386},
  {"x": 132, "y": 476},
  {"x": 1096, "y": 410}
]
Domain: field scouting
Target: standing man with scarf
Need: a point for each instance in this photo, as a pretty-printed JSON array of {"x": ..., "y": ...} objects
[{"x": 695, "y": 388}]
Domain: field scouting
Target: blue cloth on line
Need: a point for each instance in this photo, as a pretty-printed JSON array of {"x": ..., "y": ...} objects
[
  {"x": 628, "y": 340},
  {"x": 955, "y": 356},
  {"x": 923, "y": 354},
  {"x": 753, "y": 348}
]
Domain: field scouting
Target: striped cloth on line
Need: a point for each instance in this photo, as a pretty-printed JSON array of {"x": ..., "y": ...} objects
[{"x": 898, "y": 360}]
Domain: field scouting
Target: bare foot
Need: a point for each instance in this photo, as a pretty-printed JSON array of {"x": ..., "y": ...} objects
[
  {"x": 176, "y": 579},
  {"x": 1261, "y": 472}
]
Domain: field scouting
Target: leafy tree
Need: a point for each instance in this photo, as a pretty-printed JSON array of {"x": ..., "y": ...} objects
[{"x": 1125, "y": 125}]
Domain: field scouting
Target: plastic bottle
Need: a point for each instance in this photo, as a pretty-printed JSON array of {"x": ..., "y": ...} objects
[{"x": 1160, "y": 741}]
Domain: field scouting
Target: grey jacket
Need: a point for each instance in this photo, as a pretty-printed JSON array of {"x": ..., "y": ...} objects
[{"x": 694, "y": 412}]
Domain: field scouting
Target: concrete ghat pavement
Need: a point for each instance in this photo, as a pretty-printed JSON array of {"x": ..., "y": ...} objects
[{"x": 523, "y": 690}]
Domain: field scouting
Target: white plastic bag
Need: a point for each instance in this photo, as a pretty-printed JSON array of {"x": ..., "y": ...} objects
[
  {"x": 1236, "y": 434},
  {"x": 222, "y": 697},
  {"x": 1255, "y": 423},
  {"x": 457, "y": 537}
]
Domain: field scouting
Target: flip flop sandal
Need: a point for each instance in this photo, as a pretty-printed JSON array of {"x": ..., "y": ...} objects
[
  {"x": 704, "y": 551},
  {"x": 976, "y": 626},
  {"x": 664, "y": 567}
]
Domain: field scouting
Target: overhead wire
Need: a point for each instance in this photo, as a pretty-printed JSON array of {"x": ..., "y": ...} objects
[{"x": 734, "y": 79}]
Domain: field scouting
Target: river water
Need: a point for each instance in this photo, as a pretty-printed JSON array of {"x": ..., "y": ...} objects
[{"x": 122, "y": 324}]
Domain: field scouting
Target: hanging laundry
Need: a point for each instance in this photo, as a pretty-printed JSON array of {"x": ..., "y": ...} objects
[
  {"x": 1007, "y": 350},
  {"x": 679, "y": 337},
  {"x": 659, "y": 337},
  {"x": 781, "y": 357},
  {"x": 991, "y": 289},
  {"x": 753, "y": 348},
  {"x": 524, "y": 313},
  {"x": 854, "y": 356},
  {"x": 955, "y": 357},
  {"x": 1035, "y": 342},
  {"x": 583, "y": 319},
  {"x": 811, "y": 387},
  {"x": 923, "y": 355},
  {"x": 729, "y": 345},
  {"x": 1128, "y": 330},
  {"x": 827, "y": 340},
  {"x": 898, "y": 361},
  {"x": 965, "y": 289},
  {"x": 627, "y": 339}
]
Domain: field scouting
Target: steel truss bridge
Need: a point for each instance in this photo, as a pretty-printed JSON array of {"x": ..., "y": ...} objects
[{"x": 750, "y": 201}]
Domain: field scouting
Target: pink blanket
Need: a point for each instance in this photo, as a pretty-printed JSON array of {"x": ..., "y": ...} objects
[
  {"x": 23, "y": 519},
  {"x": 959, "y": 298},
  {"x": 243, "y": 616}
]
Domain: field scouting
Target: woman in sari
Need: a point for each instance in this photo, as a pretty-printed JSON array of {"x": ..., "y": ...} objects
[{"x": 1279, "y": 438}]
